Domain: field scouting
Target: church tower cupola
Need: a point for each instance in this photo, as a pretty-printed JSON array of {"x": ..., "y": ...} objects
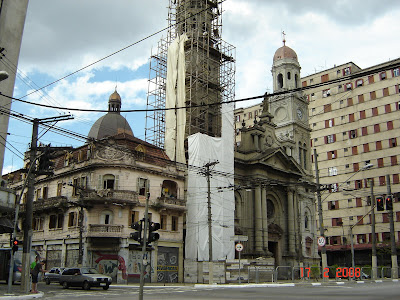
[
  {"x": 285, "y": 68},
  {"x": 114, "y": 102}
]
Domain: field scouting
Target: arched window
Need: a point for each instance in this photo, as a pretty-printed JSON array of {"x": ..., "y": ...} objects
[
  {"x": 296, "y": 80},
  {"x": 108, "y": 181},
  {"x": 288, "y": 75},
  {"x": 306, "y": 221},
  {"x": 305, "y": 156},
  {"x": 280, "y": 80},
  {"x": 106, "y": 217}
]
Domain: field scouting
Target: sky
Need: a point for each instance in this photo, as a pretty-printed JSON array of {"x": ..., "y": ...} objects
[{"x": 61, "y": 37}]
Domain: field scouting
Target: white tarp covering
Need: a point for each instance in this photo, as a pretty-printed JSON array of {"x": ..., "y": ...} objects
[
  {"x": 175, "y": 97},
  {"x": 204, "y": 149}
]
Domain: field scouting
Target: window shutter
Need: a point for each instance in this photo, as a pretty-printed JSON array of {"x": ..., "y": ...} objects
[
  {"x": 138, "y": 185},
  {"x": 337, "y": 204},
  {"x": 116, "y": 186},
  {"x": 147, "y": 186},
  {"x": 100, "y": 183}
]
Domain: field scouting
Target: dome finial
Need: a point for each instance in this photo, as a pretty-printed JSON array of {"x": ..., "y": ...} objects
[{"x": 284, "y": 38}]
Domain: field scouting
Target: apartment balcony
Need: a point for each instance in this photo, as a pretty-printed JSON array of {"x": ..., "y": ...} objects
[
  {"x": 104, "y": 230},
  {"x": 49, "y": 204},
  {"x": 169, "y": 203},
  {"x": 111, "y": 196}
]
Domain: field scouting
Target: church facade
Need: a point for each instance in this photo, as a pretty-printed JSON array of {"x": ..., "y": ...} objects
[{"x": 274, "y": 198}]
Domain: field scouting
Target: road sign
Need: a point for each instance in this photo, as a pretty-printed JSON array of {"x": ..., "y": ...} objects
[
  {"x": 239, "y": 247},
  {"x": 321, "y": 241}
]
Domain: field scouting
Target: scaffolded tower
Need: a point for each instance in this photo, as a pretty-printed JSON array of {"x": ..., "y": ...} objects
[{"x": 210, "y": 69}]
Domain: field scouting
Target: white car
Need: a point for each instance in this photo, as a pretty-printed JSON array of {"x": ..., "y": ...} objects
[{"x": 84, "y": 277}]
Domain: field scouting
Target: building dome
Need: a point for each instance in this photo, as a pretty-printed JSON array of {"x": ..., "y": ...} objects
[
  {"x": 112, "y": 123},
  {"x": 285, "y": 52}
]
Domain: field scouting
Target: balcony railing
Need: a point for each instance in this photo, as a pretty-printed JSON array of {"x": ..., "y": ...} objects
[
  {"x": 170, "y": 203},
  {"x": 114, "y": 195},
  {"x": 48, "y": 204},
  {"x": 104, "y": 230}
]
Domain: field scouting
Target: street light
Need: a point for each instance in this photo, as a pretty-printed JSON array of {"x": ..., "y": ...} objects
[{"x": 3, "y": 75}]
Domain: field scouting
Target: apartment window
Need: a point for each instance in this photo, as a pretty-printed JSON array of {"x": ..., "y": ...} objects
[
  {"x": 72, "y": 219},
  {"x": 330, "y": 138},
  {"x": 359, "y": 82},
  {"x": 304, "y": 83},
  {"x": 395, "y": 178},
  {"x": 360, "y": 98},
  {"x": 372, "y": 95},
  {"x": 244, "y": 116},
  {"x": 364, "y": 131},
  {"x": 56, "y": 221},
  {"x": 393, "y": 160},
  {"x": 392, "y": 142},
  {"x": 237, "y": 118},
  {"x": 397, "y": 89},
  {"x": 326, "y": 93},
  {"x": 378, "y": 145},
  {"x": 389, "y": 125},
  {"x": 332, "y": 171},
  {"x": 362, "y": 114},
  {"x": 163, "y": 222},
  {"x": 38, "y": 193},
  {"x": 353, "y": 133},
  {"x": 374, "y": 111},
  {"x": 250, "y": 115},
  {"x": 332, "y": 205},
  {"x": 134, "y": 217},
  {"x": 337, "y": 222},
  {"x": 143, "y": 186},
  {"x": 174, "y": 223},
  {"x": 349, "y": 86},
  {"x": 382, "y": 75},
  {"x": 255, "y": 113},
  {"x": 385, "y": 92},
  {"x": 382, "y": 180},
  {"x": 329, "y": 123},
  {"x": 106, "y": 217},
  {"x": 366, "y": 148},
  {"x": 396, "y": 72},
  {"x": 351, "y": 118},
  {"x": 358, "y": 184},
  {"x": 361, "y": 238},
  {"x": 377, "y": 128},
  {"x": 327, "y": 108},
  {"x": 37, "y": 224},
  {"x": 108, "y": 181},
  {"x": 334, "y": 187},
  {"x": 371, "y": 79},
  {"x": 380, "y": 162},
  {"x": 325, "y": 78},
  {"x": 388, "y": 108},
  {"x": 356, "y": 167},
  {"x": 385, "y": 218},
  {"x": 75, "y": 189},
  {"x": 354, "y": 150},
  {"x": 347, "y": 71},
  {"x": 358, "y": 202},
  {"x": 349, "y": 101},
  {"x": 311, "y": 80},
  {"x": 332, "y": 154}
]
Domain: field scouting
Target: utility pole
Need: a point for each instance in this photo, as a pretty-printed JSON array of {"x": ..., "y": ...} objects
[
  {"x": 27, "y": 226},
  {"x": 395, "y": 273},
  {"x": 321, "y": 219},
  {"x": 207, "y": 173},
  {"x": 374, "y": 258}
]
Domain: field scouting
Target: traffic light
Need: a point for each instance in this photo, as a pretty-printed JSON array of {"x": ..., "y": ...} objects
[
  {"x": 389, "y": 202},
  {"x": 153, "y": 236},
  {"x": 15, "y": 245},
  {"x": 379, "y": 203},
  {"x": 45, "y": 163},
  {"x": 137, "y": 236}
]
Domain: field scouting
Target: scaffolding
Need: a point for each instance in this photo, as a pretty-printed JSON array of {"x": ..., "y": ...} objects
[{"x": 210, "y": 70}]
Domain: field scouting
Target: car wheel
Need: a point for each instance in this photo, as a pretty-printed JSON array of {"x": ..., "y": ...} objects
[
  {"x": 86, "y": 285},
  {"x": 106, "y": 287},
  {"x": 65, "y": 285},
  {"x": 47, "y": 281}
]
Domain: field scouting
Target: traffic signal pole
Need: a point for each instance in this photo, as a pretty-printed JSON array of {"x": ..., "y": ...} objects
[
  {"x": 144, "y": 240},
  {"x": 373, "y": 235},
  {"x": 395, "y": 267}
]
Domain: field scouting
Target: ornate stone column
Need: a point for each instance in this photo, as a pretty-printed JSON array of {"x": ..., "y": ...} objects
[
  {"x": 264, "y": 218},
  {"x": 291, "y": 222},
  {"x": 259, "y": 220}
]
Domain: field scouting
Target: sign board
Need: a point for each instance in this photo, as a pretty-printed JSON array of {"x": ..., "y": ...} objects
[
  {"x": 321, "y": 241},
  {"x": 239, "y": 238},
  {"x": 239, "y": 247}
]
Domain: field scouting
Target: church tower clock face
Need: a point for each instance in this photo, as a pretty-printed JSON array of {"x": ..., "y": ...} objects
[{"x": 299, "y": 113}]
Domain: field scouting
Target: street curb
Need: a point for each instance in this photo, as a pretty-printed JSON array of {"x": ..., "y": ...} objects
[{"x": 30, "y": 296}]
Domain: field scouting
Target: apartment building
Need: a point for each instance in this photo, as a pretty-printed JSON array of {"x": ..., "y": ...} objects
[{"x": 354, "y": 116}]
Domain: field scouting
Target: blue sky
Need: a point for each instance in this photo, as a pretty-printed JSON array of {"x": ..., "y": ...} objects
[{"x": 62, "y": 36}]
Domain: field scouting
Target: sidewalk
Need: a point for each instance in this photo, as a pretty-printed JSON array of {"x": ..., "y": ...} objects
[{"x": 16, "y": 293}]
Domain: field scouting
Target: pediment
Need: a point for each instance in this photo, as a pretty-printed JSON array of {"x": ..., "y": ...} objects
[{"x": 277, "y": 159}]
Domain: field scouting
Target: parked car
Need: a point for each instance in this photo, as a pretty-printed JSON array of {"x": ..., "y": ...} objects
[
  {"x": 84, "y": 277},
  {"x": 53, "y": 275}
]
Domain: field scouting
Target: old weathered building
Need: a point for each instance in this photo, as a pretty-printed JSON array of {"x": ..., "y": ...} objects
[{"x": 106, "y": 182}]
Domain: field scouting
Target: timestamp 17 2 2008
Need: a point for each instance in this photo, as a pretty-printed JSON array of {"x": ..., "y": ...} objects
[{"x": 340, "y": 272}]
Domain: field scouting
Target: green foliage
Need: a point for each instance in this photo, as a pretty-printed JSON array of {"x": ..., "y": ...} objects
[{"x": 315, "y": 272}]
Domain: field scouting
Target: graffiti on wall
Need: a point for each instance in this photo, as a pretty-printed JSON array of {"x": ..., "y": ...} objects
[{"x": 167, "y": 264}]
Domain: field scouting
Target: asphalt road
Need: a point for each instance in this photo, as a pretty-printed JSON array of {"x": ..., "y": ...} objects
[{"x": 354, "y": 291}]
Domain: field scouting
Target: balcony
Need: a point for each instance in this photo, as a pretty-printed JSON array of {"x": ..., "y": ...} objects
[
  {"x": 53, "y": 203},
  {"x": 170, "y": 203},
  {"x": 108, "y": 195},
  {"x": 104, "y": 230}
]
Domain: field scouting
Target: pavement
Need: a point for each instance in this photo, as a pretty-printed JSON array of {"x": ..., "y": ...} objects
[{"x": 18, "y": 294}]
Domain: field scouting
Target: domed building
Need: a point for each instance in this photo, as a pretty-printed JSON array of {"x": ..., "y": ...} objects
[{"x": 112, "y": 123}]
